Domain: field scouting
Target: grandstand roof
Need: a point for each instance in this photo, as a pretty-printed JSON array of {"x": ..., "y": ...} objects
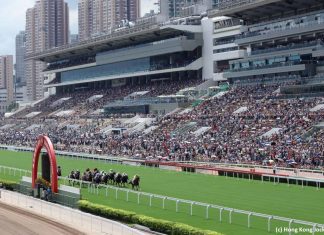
[
  {"x": 127, "y": 37},
  {"x": 259, "y": 10}
]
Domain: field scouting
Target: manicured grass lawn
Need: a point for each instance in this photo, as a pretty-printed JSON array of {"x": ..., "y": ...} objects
[{"x": 293, "y": 202}]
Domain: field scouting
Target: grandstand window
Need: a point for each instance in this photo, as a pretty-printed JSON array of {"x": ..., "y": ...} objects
[
  {"x": 271, "y": 61},
  {"x": 107, "y": 70},
  {"x": 245, "y": 64},
  {"x": 280, "y": 59},
  {"x": 259, "y": 63},
  {"x": 236, "y": 66},
  {"x": 224, "y": 40},
  {"x": 227, "y": 23},
  {"x": 225, "y": 50},
  {"x": 294, "y": 58}
]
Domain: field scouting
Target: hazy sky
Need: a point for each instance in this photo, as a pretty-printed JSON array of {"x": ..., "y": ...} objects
[{"x": 13, "y": 16}]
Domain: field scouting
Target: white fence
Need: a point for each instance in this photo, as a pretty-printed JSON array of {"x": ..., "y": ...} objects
[
  {"x": 74, "y": 218},
  {"x": 111, "y": 191},
  {"x": 95, "y": 190},
  {"x": 112, "y": 159}
]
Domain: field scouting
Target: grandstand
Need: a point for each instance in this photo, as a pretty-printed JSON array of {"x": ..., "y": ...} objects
[
  {"x": 282, "y": 39},
  {"x": 142, "y": 92}
]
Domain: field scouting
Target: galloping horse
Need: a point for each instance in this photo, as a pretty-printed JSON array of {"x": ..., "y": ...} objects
[
  {"x": 124, "y": 179},
  {"x": 135, "y": 182},
  {"x": 111, "y": 176},
  {"x": 118, "y": 178},
  {"x": 74, "y": 175}
]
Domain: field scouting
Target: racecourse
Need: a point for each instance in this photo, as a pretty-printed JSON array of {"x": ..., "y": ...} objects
[{"x": 280, "y": 200}]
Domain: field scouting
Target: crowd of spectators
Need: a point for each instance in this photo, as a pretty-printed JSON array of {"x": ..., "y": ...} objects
[
  {"x": 233, "y": 136},
  {"x": 80, "y": 103}
]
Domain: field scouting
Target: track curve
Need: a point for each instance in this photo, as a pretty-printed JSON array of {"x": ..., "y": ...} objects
[{"x": 15, "y": 221}]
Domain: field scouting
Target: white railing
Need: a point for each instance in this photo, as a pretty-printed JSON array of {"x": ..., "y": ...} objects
[
  {"x": 304, "y": 181},
  {"x": 76, "y": 219},
  {"x": 112, "y": 159},
  {"x": 111, "y": 191},
  {"x": 114, "y": 192}
]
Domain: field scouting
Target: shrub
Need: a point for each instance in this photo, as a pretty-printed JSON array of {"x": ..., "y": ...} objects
[
  {"x": 10, "y": 185},
  {"x": 157, "y": 225}
]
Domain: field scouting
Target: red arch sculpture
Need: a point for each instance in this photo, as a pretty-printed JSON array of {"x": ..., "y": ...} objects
[{"x": 44, "y": 141}]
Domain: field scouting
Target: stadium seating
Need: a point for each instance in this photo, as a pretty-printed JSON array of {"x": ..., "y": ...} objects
[{"x": 228, "y": 137}]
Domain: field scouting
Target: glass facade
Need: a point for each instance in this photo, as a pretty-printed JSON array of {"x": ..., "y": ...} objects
[{"x": 124, "y": 67}]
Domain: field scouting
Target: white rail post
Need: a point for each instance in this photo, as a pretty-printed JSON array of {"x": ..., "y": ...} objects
[
  {"x": 88, "y": 188},
  {"x": 106, "y": 191},
  {"x": 314, "y": 229},
  {"x": 207, "y": 212},
  {"x": 191, "y": 205},
  {"x": 269, "y": 223},
  {"x": 177, "y": 205},
  {"x": 97, "y": 189},
  {"x": 262, "y": 178},
  {"x": 151, "y": 200},
  {"x": 249, "y": 220},
  {"x": 290, "y": 222},
  {"x": 163, "y": 203},
  {"x": 220, "y": 214},
  {"x": 127, "y": 195},
  {"x": 116, "y": 193},
  {"x": 230, "y": 216},
  {"x": 138, "y": 198}
]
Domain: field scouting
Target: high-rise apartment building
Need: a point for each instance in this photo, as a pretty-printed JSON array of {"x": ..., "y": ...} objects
[
  {"x": 20, "y": 58},
  {"x": 47, "y": 26},
  {"x": 6, "y": 78},
  {"x": 74, "y": 38},
  {"x": 177, "y": 7},
  {"x": 98, "y": 17}
]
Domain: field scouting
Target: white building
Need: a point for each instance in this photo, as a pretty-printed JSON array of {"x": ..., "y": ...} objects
[{"x": 219, "y": 48}]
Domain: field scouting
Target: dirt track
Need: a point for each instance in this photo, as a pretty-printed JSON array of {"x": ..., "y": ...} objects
[{"x": 14, "y": 221}]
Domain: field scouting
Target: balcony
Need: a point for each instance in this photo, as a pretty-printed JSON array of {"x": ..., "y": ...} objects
[
  {"x": 267, "y": 69},
  {"x": 265, "y": 35}
]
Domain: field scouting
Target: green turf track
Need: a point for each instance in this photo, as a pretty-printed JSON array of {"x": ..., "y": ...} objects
[{"x": 293, "y": 202}]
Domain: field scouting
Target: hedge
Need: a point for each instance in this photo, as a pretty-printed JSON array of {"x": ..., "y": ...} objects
[
  {"x": 158, "y": 225},
  {"x": 10, "y": 185}
]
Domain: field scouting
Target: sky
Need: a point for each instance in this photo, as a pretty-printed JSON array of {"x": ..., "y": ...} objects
[{"x": 13, "y": 16}]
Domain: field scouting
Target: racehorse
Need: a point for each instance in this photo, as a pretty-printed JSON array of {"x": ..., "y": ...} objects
[
  {"x": 74, "y": 175},
  {"x": 135, "y": 182},
  {"x": 104, "y": 178},
  {"x": 111, "y": 176},
  {"x": 124, "y": 179},
  {"x": 118, "y": 178},
  {"x": 96, "y": 177}
]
